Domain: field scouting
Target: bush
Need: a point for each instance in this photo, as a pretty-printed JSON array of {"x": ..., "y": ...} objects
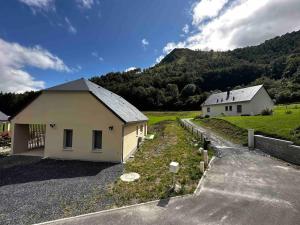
[
  {"x": 199, "y": 117},
  {"x": 206, "y": 116},
  {"x": 267, "y": 112},
  {"x": 288, "y": 112}
]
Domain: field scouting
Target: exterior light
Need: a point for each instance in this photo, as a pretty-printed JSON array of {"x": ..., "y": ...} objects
[
  {"x": 111, "y": 128},
  {"x": 52, "y": 125}
]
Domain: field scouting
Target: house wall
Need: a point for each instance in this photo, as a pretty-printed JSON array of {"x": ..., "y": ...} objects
[
  {"x": 130, "y": 141},
  {"x": 258, "y": 103},
  {"x": 217, "y": 110},
  {"x": 21, "y": 138},
  {"x": 81, "y": 112}
]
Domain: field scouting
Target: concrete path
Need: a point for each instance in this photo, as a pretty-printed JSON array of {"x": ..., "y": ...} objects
[{"x": 242, "y": 187}]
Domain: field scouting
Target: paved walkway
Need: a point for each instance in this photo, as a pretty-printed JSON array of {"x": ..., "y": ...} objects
[{"x": 242, "y": 187}]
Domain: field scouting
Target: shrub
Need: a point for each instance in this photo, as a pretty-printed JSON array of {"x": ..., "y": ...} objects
[
  {"x": 198, "y": 117},
  {"x": 206, "y": 116},
  {"x": 267, "y": 112},
  {"x": 288, "y": 111}
]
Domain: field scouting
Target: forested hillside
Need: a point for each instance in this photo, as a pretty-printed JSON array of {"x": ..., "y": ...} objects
[{"x": 184, "y": 78}]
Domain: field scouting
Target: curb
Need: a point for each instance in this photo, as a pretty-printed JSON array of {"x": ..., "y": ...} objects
[
  {"x": 200, "y": 184},
  {"x": 111, "y": 210}
]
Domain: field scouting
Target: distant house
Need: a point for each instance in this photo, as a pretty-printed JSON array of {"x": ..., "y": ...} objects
[
  {"x": 5, "y": 125},
  {"x": 79, "y": 120},
  {"x": 245, "y": 101}
]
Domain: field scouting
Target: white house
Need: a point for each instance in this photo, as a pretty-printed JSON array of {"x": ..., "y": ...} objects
[{"x": 245, "y": 101}]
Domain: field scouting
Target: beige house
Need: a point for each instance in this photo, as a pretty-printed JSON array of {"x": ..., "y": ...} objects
[
  {"x": 246, "y": 101},
  {"x": 79, "y": 120}
]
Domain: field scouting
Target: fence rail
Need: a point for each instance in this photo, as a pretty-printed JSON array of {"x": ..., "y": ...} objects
[{"x": 195, "y": 132}]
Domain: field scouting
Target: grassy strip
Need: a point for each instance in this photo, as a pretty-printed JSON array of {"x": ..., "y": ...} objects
[
  {"x": 156, "y": 117},
  {"x": 224, "y": 129},
  {"x": 284, "y": 123},
  {"x": 172, "y": 143}
]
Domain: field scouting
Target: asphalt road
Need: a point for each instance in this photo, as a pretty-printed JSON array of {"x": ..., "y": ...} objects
[{"x": 242, "y": 187}]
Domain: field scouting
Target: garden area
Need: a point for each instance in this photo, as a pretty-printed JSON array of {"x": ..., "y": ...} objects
[{"x": 171, "y": 143}]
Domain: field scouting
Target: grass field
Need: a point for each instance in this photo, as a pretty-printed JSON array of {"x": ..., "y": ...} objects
[
  {"x": 225, "y": 129},
  {"x": 284, "y": 123},
  {"x": 172, "y": 143},
  {"x": 155, "y": 117}
]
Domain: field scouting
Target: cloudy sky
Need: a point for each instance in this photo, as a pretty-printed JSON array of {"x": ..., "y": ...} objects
[{"x": 46, "y": 42}]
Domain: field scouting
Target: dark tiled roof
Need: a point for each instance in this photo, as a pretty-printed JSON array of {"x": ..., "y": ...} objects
[
  {"x": 123, "y": 109},
  {"x": 3, "y": 117},
  {"x": 239, "y": 95}
]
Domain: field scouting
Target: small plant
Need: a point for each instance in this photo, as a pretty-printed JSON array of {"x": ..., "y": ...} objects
[
  {"x": 198, "y": 117},
  {"x": 267, "y": 112},
  {"x": 288, "y": 111}
]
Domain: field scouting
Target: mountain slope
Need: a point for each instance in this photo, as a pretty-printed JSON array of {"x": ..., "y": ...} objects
[{"x": 184, "y": 78}]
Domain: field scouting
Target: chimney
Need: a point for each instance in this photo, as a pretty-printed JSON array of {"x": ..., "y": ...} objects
[{"x": 228, "y": 93}]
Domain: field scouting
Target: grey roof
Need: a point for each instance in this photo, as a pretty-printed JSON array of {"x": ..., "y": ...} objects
[
  {"x": 3, "y": 117},
  {"x": 239, "y": 95},
  {"x": 123, "y": 109}
]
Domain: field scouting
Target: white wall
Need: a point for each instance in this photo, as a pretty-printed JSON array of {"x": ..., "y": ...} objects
[
  {"x": 217, "y": 110},
  {"x": 261, "y": 101}
]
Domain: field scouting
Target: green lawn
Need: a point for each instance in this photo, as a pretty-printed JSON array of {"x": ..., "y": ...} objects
[
  {"x": 224, "y": 129},
  {"x": 172, "y": 143},
  {"x": 282, "y": 124},
  {"x": 155, "y": 117}
]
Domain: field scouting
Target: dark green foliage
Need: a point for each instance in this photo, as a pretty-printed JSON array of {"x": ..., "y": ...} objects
[
  {"x": 267, "y": 112},
  {"x": 11, "y": 103},
  {"x": 184, "y": 78}
]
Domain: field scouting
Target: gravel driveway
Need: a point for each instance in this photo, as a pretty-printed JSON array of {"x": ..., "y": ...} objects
[{"x": 35, "y": 190}]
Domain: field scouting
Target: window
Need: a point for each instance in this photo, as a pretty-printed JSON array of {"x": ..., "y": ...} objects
[
  {"x": 230, "y": 108},
  {"x": 208, "y": 109},
  {"x": 141, "y": 128},
  {"x": 97, "y": 139},
  {"x": 239, "y": 108},
  {"x": 226, "y": 108},
  {"x": 68, "y": 138},
  {"x": 137, "y": 130}
]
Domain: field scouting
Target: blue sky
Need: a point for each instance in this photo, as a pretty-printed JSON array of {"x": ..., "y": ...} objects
[
  {"x": 47, "y": 42},
  {"x": 106, "y": 37}
]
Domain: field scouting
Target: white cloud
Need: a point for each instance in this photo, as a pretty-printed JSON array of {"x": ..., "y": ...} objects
[
  {"x": 186, "y": 28},
  {"x": 158, "y": 59},
  {"x": 206, "y": 9},
  {"x": 70, "y": 27},
  {"x": 243, "y": 23},
  {"x": 96, "y": 55},
  {"x": 39, "y": 4},
  {"x": 13, "y": 59},
  {"x": 85, "y": 4},
  {"x": 130, "y": 68},
  {"x": 145, "y": 42}
]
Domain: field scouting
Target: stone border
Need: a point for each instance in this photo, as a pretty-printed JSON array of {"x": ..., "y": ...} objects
[{"x": 200, "y": 184}]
